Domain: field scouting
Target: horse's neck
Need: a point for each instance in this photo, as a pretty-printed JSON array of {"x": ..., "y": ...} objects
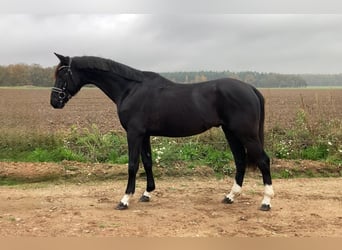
[{"x": 112, "y": 85}]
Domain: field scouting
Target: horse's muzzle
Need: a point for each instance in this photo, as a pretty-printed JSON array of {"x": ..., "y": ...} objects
[{"x": 57, "y": 103}]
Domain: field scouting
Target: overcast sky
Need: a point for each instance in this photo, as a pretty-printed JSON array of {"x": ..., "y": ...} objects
[{"x": 164, "y": 42}]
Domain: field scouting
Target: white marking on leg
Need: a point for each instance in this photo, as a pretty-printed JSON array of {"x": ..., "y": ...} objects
[
  {"x": 147, "y": 194},
  {"x": 125, "y": 199},
  {"x": 268, "y": 194},
  {"x": 235, "y": 191}
]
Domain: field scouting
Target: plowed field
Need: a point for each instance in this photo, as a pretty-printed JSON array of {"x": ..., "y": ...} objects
[{"x": 30, "y": 110}]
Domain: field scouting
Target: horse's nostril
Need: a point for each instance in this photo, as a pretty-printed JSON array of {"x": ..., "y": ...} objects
[
  {"x": 61, "y": 95},
  {"x": 56, "y": 104}
]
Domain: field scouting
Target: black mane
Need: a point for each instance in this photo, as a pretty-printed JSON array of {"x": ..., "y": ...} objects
[{"x": 92, "y": 62}]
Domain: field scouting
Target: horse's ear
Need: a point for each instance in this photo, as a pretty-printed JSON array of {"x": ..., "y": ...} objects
[{"x": 62, "y": 59}]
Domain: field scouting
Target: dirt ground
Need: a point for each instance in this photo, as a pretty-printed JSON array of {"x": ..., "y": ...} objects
[{"x": 185, "y": 207}]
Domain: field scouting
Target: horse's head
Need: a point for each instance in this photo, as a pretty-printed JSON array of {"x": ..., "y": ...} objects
[{"x": 65, "y": 84}]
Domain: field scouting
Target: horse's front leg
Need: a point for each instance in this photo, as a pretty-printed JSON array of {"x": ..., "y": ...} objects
[
  {"x": 134, "y": 149},
  {"x": 146, "y": 157}
]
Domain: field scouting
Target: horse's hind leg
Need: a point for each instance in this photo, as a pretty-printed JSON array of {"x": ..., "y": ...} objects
[
  {"x": 239, "y": 153},
  {"x": 264, "y": 166},
  {"x": 258, "y": 156},
  {"x": 146, "y": 157}
]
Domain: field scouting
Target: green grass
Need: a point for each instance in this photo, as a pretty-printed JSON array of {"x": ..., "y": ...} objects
[{"x": 321, "y": 142}]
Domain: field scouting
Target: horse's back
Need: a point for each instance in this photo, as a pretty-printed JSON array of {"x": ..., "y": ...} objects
[{"x": 183, "y": 109}]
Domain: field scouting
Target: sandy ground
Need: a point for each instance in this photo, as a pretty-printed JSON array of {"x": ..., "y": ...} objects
[{"x": 185, "y": 207}]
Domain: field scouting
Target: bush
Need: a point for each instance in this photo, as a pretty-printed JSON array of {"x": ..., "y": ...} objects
[
  {"x": 94, "y": 146},
  {"x": 304, "y": 140},
  {"x": 192, "y": 151}
]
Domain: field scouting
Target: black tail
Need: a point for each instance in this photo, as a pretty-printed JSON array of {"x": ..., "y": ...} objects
[{"x": 262, "y": 115}]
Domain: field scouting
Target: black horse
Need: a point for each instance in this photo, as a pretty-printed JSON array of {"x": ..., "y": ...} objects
[{"x": 150, "y": 105}]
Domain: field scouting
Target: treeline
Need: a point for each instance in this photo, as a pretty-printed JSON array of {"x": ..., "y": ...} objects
[
  {"x": 23, "y": 74},
  {"x": 36, "y": 75},
  {"x": 323, "y": 80},
  {"x": 265, "y": 80}
]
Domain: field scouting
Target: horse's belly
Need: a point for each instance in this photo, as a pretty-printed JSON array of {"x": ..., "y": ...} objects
[{"x": 183, "y": 127}]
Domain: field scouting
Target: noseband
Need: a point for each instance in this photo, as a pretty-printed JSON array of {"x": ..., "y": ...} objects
[{"x": 63, "y": 93}]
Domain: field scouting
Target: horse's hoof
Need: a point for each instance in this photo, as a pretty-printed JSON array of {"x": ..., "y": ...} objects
[
  {"x": 144, "y": 198},
  {"x": 227, "y": 200},
  {"x": 265, "y": 207},
  {"x": 121, "y": 206}
]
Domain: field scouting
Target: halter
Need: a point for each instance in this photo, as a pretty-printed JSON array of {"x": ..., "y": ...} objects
[{"x": 63, "y": 93}]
